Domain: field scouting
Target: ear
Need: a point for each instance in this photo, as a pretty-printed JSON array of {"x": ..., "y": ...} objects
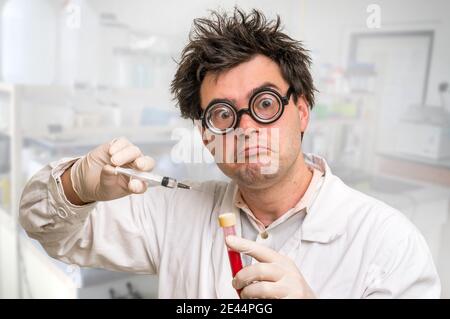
[{"x": 303, "y": 113}]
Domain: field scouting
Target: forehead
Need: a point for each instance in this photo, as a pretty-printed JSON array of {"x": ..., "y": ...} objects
[{"x": 237, "y": 82}]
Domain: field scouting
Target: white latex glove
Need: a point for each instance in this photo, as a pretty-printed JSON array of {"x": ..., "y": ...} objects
[
  {"x": 93, "y": 177},
  {"x": 275, "y": 276}
]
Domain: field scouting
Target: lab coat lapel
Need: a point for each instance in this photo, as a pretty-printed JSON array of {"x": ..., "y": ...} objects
[
  {"x": 327, "y": 217},
  {"x": 220, "y": 261}
]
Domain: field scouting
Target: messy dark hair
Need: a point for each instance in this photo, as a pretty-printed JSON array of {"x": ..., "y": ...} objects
[{"x": 225, "y": 41}]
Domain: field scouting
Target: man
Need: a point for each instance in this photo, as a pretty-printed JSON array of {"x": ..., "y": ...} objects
[{"x": 304, "y": 233}]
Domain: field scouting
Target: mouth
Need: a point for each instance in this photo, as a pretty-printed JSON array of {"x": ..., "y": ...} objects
[{"x": 254, "y": 150}]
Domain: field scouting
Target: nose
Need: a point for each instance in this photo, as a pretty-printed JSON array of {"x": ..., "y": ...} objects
[
  {"x": 247, "y": 127},
  {"x": 246, "y": 122}
]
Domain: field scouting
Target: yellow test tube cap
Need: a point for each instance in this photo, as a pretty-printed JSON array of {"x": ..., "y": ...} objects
[{"x": 227, "y": 220}]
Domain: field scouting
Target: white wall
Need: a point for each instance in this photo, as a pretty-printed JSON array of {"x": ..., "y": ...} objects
[
  {"x": 328, "y": 23},
  {"x": 174, "y": 18},
  {"x": 324, "y": 25}
]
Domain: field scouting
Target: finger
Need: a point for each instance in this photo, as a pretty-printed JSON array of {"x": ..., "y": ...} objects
[
  {"x": 110, "y": 178},
  {"x": 261, "y": 290},
  {"x": 143, "y": 163},
  {"x": 108, "y": 170},
  {"x": 253, "y": 249},
  {"x": 136, "y": 186},
  {"x": 126, "y": 155},
  {"x": 118, "y": 144},
  {"x": 257, "y": 272}
]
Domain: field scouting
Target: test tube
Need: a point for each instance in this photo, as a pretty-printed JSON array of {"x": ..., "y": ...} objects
[{"x": 227, "y": 222}]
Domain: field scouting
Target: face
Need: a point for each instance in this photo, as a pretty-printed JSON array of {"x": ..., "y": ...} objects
[{"x": 255, "y": 154}]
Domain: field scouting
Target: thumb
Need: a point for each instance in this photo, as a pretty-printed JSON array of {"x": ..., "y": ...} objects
[
  {"x": 259, "y": 252},
  {"x": 137, "y": 186}
]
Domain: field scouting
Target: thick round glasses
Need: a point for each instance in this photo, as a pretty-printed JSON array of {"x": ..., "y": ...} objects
[{"x": 265, "y": 106}]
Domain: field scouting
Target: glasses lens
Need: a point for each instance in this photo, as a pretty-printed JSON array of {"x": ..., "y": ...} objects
[
  {"x": 221, "y": 117},
  {"x": 266, "y": 106}
]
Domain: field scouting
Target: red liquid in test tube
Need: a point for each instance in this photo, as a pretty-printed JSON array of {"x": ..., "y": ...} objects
[{"x": 228, "y": 222}]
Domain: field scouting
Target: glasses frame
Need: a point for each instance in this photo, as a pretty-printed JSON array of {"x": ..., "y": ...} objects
[{"x": 284, "y": 100}]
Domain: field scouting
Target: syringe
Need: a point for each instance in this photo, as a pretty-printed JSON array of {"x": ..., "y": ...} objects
[{"x": 152, "y": 178}]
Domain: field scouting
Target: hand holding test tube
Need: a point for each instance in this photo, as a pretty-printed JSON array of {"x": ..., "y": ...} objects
[{"x": 227, "y": 222}]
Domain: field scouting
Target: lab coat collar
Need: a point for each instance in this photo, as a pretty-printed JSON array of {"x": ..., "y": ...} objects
[{"x": 326, "y": 218}]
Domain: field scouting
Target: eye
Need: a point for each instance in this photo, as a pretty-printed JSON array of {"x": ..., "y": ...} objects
[
  {"x": 222, "y": 114},
  {"x": 265, "y": 103},
  {"x": 266, "y": 106}
]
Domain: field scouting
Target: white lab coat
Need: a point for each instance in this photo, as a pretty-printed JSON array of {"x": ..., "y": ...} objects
[{"x": 348, "y": 246}]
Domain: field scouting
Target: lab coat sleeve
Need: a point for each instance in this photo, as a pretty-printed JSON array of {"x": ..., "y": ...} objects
[
  {"x": 117, "y": 235},
  {"x": 406, "y": 270}
]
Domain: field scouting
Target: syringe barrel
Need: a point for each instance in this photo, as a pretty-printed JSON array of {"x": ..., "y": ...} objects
[{"x": 169, "y": 182}]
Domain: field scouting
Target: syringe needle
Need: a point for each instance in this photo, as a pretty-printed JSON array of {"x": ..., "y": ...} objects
[{"x": 181, "y": 185}]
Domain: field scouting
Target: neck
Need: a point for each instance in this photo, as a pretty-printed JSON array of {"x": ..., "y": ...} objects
[{"x": 268, "y": 204}]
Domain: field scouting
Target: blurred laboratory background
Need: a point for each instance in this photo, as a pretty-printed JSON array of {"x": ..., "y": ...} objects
[{"x": 77, "y": 73}]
